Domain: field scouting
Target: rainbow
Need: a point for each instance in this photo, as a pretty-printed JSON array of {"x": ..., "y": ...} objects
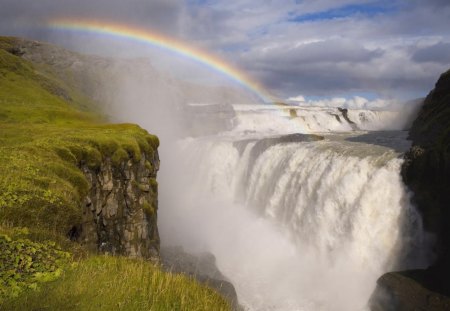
[{"x": 166, "y": 43}]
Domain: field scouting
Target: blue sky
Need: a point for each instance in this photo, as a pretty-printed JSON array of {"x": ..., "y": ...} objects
[
  {"x": 347, "y": 11},
  {"x": 314, "y": 48}
]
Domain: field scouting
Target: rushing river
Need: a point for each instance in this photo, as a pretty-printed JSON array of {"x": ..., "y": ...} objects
[{"x": 295, "y": 224}]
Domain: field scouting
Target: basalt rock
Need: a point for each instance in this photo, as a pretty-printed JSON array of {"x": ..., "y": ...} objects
[
  {"x": 426, "y": 171},
  {"x": 405, "y": 291},
  {"x": 119, "y": 216}
]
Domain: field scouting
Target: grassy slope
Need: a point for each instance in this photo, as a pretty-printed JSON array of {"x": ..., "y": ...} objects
[
  {"x": 112, "y": 283},
  {"x": 45, "y": 134}
]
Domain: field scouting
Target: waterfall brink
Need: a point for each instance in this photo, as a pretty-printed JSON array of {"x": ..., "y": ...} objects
[{"x": 306, "y": 225}]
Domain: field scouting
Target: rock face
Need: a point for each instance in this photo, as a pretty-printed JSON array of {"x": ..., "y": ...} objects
[
  {"x": 203, "y": 268},
  {"x": 402, "y": 292},
  {"x": 426, "y": 171},
  {"x": 120, "y": 210}
]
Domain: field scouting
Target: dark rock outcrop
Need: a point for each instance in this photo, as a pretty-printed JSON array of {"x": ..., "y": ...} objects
[
  {"x": 120, "y": 211},
  {"x": 344, "y": 112},
  {"x": 404, "y": 292},
  {"x": 426, "y": 171},
  {"x": 202, "y": 267}
]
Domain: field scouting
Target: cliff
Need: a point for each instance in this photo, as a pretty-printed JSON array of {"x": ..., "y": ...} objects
[
  {"x": 119, "y": 214},
  {"x": 426, "y": 171},
  {"x": 74, "y": 188},
  {"x": 63, "y": 168}
]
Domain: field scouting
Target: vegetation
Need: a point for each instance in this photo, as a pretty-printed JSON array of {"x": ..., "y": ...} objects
[
  {"x": 43, "y": 141},
  {"x": 47, "y": 132},
  {"x": 25, "y": 263},
  {"x": 117, "y": 283}
]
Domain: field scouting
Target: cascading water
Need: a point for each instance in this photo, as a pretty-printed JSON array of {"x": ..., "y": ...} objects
[{"x": 297, "y": 223}]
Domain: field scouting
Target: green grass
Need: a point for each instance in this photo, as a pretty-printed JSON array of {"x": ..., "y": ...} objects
[
  {"x": 117, "y": 283},
  {"x": 44, "y": 140},
  {"x": 49, "y": 129}
]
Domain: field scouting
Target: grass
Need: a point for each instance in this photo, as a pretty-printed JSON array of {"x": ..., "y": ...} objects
[
  {"x": 44, "y": 139},
  {"x": 49, "y": 129},
  {"x": 117, "y": 283}
]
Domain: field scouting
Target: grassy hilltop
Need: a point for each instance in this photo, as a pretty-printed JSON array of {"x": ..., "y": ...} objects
[{"x": 48, "y": 126}]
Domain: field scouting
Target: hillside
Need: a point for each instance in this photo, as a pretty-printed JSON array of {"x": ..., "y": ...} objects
[{"x": 72, "y": 187}]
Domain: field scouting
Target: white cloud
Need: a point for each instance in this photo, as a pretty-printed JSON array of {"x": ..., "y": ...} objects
[{"x": 397, "y": 53}]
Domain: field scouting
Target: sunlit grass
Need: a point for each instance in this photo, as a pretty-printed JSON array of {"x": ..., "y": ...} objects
[
  {"x": 48, "y": 130},
  {"x": 44, "y": 139},
  {"x": 115, "y": 283}
]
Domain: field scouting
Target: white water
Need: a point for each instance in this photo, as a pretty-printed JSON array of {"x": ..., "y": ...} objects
[
  {"x": 301, "y": 226},
  {"x": 282, "y": 119},
  {"x": 294, "y": 226}
]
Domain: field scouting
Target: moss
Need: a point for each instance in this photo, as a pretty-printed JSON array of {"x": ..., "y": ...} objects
[
  {"x": 153, "y": 184},
  {"x": 133, "y": 150},
  {"x": 153, "y": 141},
  {"x": 149, "y": 166},
  {"x": 148, "y": 208},
  {"x": 119, "y": 157},
  {"x": 92, "y": 157},
  {"x": 143, "y": 188},
  {"x": 107, "y": 146},
  {"x": 143, "y": 144}
]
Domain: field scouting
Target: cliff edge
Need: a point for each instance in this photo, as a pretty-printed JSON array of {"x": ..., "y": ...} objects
[{"x": 426, "y": 171}]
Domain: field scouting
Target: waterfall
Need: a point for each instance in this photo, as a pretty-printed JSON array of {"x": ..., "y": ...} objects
[{"x": 295, "y": 222}]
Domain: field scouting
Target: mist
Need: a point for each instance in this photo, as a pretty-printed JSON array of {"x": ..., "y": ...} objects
[
  {"x": 295, "y": 221},
  {"x": 287, "y": 225}
]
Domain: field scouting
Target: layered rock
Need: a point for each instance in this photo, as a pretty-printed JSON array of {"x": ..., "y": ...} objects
[
  {"x": 426, "y": 172},
  {"x": 120, "y": 210}
]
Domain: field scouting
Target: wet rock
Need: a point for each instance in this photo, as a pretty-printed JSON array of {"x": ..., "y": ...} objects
[
  {"x": 344, "y": 112},
  {"x": 405, "y": 292}
]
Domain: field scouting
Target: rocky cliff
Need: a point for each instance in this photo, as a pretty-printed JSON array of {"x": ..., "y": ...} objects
[
  {"x": 64, "y": 169},
  {"x": 119, "y": 214},
  {"x": 426, "y": 171}
]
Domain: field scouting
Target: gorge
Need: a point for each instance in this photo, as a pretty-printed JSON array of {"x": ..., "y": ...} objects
[
  {"x": 301, "y": 208},
  {"x": 297, "y": 222}
]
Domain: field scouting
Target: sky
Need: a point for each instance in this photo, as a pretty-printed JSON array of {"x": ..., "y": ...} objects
[{"x": 309, "y": 48}]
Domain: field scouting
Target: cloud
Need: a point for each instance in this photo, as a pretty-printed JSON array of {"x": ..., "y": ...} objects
[
  {"x": 438, "y": 53},
  {"x": 389, "y": 48},
  {"x": 297, "y": 99},
  {"x": 23, "y": 16}
]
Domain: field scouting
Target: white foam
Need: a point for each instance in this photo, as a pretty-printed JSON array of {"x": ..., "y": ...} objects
[{"x": 300, "y": 226}]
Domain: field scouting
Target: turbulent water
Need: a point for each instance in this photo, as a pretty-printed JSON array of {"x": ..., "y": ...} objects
[
  {"x": 301, "y": 223},
  {"x": 288, "y": 119}
]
